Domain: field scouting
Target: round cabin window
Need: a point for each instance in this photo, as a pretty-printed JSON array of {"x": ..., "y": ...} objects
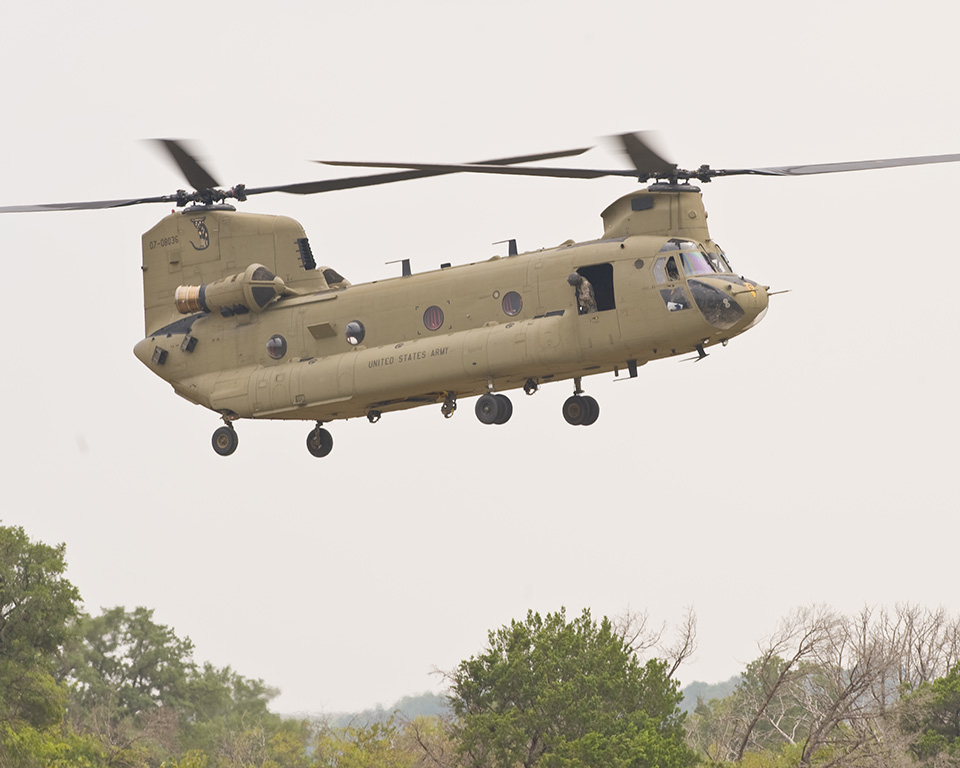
[
  {"x": 276, "y": 346},
  {"x": 512, "y": 304},
  {"x": 433, "y": 318},
  {"x": 355, "y": 332}
]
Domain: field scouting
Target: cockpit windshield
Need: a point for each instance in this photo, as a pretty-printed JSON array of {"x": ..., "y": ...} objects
[
  {"x": 691, "y": 257},
  {"x": 696, "y": 260}
]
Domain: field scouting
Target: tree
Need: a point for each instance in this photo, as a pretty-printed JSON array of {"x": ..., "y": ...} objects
[
  {"x": 128, "y": 662},
  {"x": 931, "y": 715},
  {"x": 378, "y": 744},
  {"x": 36, "y": 604},
  {"x": 558, "y": 694},
  {"x": 135, "y": 686}
]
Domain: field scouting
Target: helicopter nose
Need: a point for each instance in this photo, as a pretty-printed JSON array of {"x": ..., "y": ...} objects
[
  {"x": 729, "y": 303},
  {"x": 753, "y": 298}
]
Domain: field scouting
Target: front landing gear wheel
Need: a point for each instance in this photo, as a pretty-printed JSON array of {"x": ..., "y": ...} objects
[
  {"x": 581, "y": 410},
  {"x": 506, "y": 409},
  {"x": 319, "y": 442},
  {"x": 225, "y": 440},
  {"x": 493, "y": 409}
]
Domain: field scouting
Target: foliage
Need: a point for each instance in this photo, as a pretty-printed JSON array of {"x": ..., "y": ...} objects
[
  {"x": 36, "y": 602},
  {"x": 126, "y": 661},
  {"x": 551, "y": 693},
  {"x": 29, "y": 747},
  {"x": 931, "y": 714},
  {"x": 375, "y": 745}
]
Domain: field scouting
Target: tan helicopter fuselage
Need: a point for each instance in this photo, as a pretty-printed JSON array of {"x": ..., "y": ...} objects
[{"x": 239, "y": 320}]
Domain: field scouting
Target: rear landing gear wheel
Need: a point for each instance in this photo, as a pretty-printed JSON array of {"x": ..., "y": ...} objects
[
  {"x": 593, "y": 411},
  {"x": 574, "y": 410},
  {"x": 319, "y": 442},
  {"x": 581, "y": 410},
  {"x": 225, "y": 440}
]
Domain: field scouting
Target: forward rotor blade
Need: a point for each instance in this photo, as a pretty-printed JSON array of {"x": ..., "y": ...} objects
[
  {"x": 196, "y": 174},
  {"x": 87, "y": 205},
  {"x": 645, "y": 160},
  {"x": 861, "y": 165}
]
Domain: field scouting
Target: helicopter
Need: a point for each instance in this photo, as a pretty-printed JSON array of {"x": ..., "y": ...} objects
[{"x": 240, "y": 318}]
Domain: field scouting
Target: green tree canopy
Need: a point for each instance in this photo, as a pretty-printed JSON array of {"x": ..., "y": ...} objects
[
  {"x": 557, "y": 694},
  {"x": 36, "y": 604},
  {"x": 126, "y": 661},
  {"x": 931, "y": 715}
]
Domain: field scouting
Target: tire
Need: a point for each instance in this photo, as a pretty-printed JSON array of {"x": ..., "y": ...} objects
[
  {"x": 319, "y": 442},
  {"x": 225, "y": 441},
  {"x": 593, "y": 411},
  {"x": 575, "y": 410},
  {"x": 506, "y": 409},
  {"x": 488, "y": 409}
]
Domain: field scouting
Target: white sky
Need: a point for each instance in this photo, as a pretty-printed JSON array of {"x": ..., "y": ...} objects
[{"x": 812, "y": 460}]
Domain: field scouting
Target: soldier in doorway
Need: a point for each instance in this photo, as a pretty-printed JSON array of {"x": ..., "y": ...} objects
[{"x": 586, "y": 299}]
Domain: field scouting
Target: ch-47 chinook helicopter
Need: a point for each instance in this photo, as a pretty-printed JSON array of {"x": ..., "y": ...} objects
[{"x": 239, "y": 317}]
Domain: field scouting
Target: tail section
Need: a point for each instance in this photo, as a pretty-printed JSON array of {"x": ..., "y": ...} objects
[{"x": 200, "y": 246}]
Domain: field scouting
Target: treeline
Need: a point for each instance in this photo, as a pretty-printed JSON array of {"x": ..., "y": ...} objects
[{"x": 881, "y": 688}]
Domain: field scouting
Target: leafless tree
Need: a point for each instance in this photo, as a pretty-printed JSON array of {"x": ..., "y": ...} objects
[
  {"x": 779, "y": 669},
  {"x": 830, "y": 685},
  {"x": 640, "y": 638}
]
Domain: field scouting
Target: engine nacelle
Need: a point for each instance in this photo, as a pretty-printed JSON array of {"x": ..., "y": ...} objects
[{"x": 249, "y": 291}]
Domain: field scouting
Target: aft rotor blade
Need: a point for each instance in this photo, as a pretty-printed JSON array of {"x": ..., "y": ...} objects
[
  {"x": 436, "y": 168},
  {"x": 647, "y": 164},
  {"x": 190, "y": 166},
  {"x": 861, "y": 165},
  {"x": 330, "y": 185},
  {"x": 196, "y": 174}
]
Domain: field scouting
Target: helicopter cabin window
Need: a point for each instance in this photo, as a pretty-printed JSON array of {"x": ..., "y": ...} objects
[
  {"x": 433, "y": 318},
  {"x": 276, "y": 346},
  {"x": 512, "y": 304},
  {"x": 599, "y": 278},
  {"x": 354, "y": 332}
]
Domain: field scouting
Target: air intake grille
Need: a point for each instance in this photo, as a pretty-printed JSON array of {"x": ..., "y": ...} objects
[{"x": 306, "y": 255}]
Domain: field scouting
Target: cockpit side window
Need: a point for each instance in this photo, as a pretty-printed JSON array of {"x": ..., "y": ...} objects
[
  {"x": 672, "y": 272},
  {"x": 719, "y": 260}
]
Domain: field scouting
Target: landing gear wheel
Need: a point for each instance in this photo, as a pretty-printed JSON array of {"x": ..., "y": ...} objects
[
  {"x": 225, "y": 440},
  {"x": 488, "y": 409},
  {"x": 574, "y": 410},
  {"x": 319, "y": 442},
  {"x": 506, "y": 409},
  {"x": 593, "y": 411}
]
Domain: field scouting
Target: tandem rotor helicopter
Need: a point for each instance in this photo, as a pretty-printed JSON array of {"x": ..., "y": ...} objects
[{"x": 239, "y": 317}]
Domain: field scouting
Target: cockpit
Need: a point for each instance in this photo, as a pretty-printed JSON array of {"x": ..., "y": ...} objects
[
  {"x": 693, "y": 259},
  {"x": 685, "y": 269}
]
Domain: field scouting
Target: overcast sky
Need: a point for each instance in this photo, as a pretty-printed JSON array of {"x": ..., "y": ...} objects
[{"x": 813, "y": 460}]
